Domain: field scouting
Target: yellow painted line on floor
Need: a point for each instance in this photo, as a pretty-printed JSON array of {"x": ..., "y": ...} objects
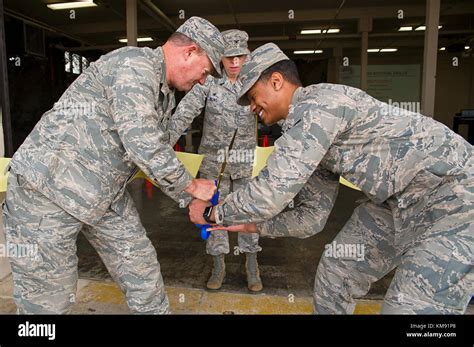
[
  {"x": 368, "y": 307},
  {"x": 200, "y": 301},
  {"x": 101, "y": 292},
  {"x": 184, "y": 300},
  {"x": 236, "y": 303}
]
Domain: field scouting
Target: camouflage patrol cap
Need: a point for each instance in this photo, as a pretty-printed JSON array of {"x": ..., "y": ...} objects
[
  {"x": 235, "y": 42},
  {"x": 208, "y": 37},
  {"x": 259, "y": 60}
]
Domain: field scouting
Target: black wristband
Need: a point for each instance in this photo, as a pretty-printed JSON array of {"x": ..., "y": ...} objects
[{"x": 208, "y": 213}]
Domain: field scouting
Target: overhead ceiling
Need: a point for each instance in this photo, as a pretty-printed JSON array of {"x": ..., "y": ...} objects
[{"x": 267, "y": 20}]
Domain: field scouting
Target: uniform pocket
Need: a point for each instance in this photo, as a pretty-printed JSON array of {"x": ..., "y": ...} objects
[{"x": 454, "y": 288}]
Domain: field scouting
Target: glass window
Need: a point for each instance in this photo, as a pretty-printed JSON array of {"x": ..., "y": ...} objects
[
  {"x": 67, "y": 61},
  {"x": 85, "y": 63},
  {"x": 76, "y": 64}
]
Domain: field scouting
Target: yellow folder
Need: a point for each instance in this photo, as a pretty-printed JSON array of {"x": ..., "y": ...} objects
[
  {"x": 261, "y": 157},
  {"x": 3, "y": 176}
]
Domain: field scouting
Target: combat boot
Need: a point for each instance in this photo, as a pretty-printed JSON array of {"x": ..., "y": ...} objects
[
  {"x": 218, "y": 272},
  {"x": 254, "y": 282}
]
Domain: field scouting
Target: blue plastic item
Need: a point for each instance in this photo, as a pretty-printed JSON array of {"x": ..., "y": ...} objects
[{"x": 204, "y": 233}]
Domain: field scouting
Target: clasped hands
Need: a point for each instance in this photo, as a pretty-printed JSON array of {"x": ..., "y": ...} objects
[{"x": 199, "y": 204}]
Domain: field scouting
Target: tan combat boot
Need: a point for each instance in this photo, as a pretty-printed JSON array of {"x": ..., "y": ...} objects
[
  {"x": 218, "y": 273},
  {"x": 254, "y": 282}
]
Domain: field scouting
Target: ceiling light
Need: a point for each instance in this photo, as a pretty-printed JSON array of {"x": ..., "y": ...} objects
[
  {"x": 405, "y": 29},
  {"x": 423, "y": 27},
  {"x": 381, "y": 50},
  {"x": 318, "y": 51},
  {"x": 140, "y": 39},
  {"x": 442, "y": 49},
  {"x": 319, "y": 31},
  {"x": 310, "y": 32},
  {"x": 70, "y": 5},
  {"x": 467, "y": 47}
]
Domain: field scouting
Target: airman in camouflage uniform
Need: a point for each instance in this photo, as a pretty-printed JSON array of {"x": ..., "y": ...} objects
[
  {"x": 72, "y": 170},
  {"x": 417, "y": 176},
  {"x": 218, "y": 97}
]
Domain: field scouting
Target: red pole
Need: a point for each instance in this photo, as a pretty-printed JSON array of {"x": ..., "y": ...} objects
[{"x": 149, "y": 189}]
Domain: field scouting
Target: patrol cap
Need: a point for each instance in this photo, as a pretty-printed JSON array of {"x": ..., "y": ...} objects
[
  {"x": 259, "y": 60},
  {"x": 235, "y": 43},
  {"x": 208, "y": 37}
]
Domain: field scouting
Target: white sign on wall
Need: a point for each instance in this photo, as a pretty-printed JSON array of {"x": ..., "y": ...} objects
[{"x": 400, "y": 83}]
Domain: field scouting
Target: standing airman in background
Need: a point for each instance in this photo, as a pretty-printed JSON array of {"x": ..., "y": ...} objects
[{"x": 218, "y": 98}]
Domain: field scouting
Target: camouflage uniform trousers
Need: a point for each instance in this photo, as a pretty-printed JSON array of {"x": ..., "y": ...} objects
[
  {"x": 435, "y": 270},
  {"x": 47, "y": 282},
  {"x": 218, "y": 241}
]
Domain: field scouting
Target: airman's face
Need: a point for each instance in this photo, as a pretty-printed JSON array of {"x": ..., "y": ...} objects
[
  {"x": 232, "y": 65},
  {"x": 195, "y": 69},
  {"x": 266, "y": 102}
]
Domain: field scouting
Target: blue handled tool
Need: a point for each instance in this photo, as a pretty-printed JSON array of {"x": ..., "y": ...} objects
[
  {"x": 215, "y": 198},
  {"x": 214, "y": 201}
]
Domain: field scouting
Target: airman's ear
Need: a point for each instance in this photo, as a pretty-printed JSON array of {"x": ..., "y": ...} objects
[
  {"x": 277, "y": 81},
  {"x": 190, "y": 50}
]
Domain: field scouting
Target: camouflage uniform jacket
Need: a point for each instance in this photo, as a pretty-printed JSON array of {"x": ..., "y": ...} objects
[
  {"x": 393, "y": 155},
  {"x": 112, "y": 118},
  {"x": 222, "y": 116}
]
